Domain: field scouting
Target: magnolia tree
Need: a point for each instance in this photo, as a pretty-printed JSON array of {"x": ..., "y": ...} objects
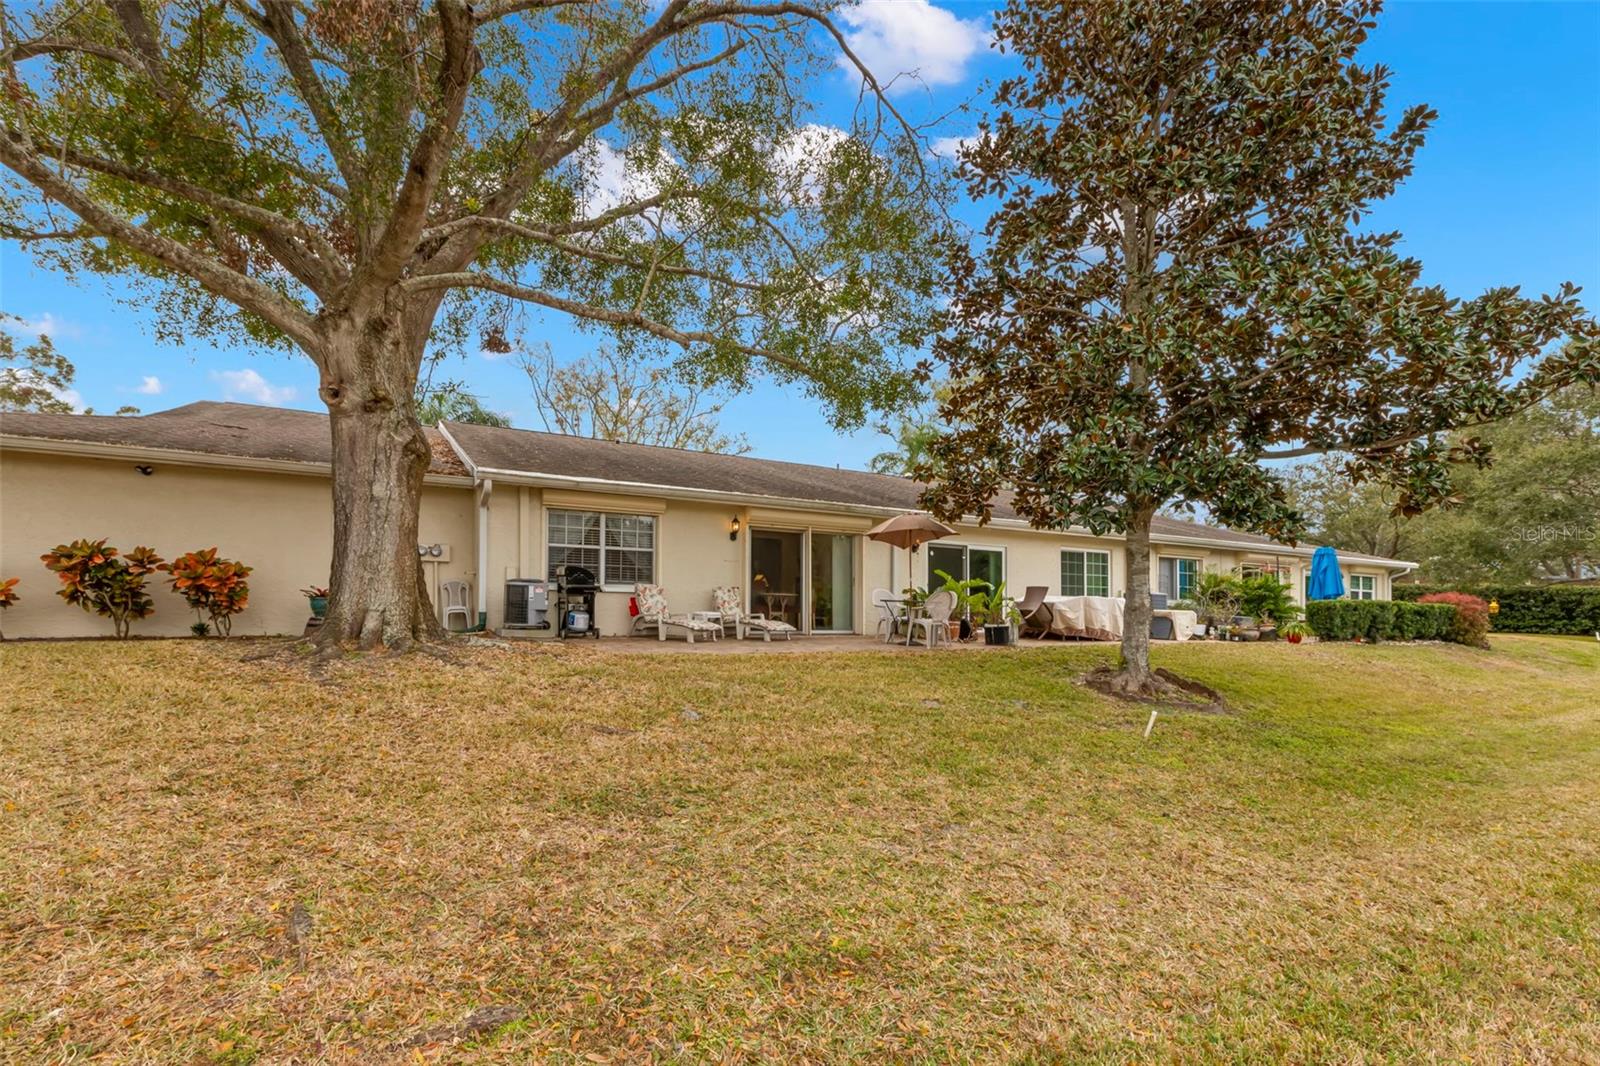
[
  {"x": 361, "y": 179},
  {"x": 1176, "y": 284}
]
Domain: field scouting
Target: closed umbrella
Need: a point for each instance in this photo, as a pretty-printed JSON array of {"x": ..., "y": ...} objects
[{"x": 1326, "y": 581}]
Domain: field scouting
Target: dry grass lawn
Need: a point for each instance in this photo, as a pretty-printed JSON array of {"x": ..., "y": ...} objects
[{"x": 1387, "y": 854}]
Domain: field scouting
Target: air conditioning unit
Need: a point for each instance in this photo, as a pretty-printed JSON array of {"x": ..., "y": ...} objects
[{"x": 527, "y": 604}]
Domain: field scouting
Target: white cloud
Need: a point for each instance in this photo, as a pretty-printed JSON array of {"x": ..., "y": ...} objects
[
  {"x": 947, "y": 147},
  {"x": 46, "y": 325},
  {"x": 150, "y": 385},
  {"x": 30, "y": 378},
  {"x": 249, "y": 385},
  {"x": 611, "y": 178},
  {"x": 911, "y": 37}
]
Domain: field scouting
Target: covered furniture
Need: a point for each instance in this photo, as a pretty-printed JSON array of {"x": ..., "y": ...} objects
[
  {"x": 653, "y": 613},
  {"x": 1085, "y": 617},
  {"x": 729, "y": 602},
  {"x": 1101, "y": 618}
]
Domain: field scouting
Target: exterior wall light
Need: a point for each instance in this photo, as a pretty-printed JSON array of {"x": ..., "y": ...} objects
[
  {"x": 145, "y": 470},
  {"x": 733, "y": 531}
]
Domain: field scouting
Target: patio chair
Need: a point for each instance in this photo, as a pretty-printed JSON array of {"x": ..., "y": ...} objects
[
  {"x": 653, "y": 612},
  {"x": 729, "y": 602},
  {"x": 456, "y": 595},
  {"x": 1035, "y": 615},
  {"x": 935, "y": 614},
  {"x": 887, "y": 615},
  {"x": 1161, "y": 629}
]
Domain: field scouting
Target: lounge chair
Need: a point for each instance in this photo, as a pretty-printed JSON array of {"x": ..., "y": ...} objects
[
  {"x": 652, "y": 603},
  {"x": 730, "y": 605},
  {"x": 1035, "y": 615},
  {"x": 936, "y": 613}
]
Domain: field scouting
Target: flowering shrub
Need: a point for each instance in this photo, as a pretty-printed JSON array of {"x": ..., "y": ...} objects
[
  {"x": 1471, "y": 624},
  {"x": 213, "y": 587},
  {"x": 8, "y": 594},
  {"x": 96, "y": 579}
]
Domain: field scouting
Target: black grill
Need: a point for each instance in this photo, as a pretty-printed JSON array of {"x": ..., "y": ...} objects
[{"x": 575, "y": 589}]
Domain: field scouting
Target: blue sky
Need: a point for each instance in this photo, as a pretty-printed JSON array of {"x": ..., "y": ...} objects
[{"x": 1507, "y": 191}]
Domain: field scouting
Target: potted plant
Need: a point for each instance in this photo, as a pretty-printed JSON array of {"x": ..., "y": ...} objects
[
  {"x": 319, "y": 600},
  {"x": 998, "y": 615},
  {"x": 1295, "y": 632},
  {"x": 1216, "y": 601},
  {"x": 967, "y": 593}
]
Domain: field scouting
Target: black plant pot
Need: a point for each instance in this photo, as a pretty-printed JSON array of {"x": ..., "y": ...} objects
[{"x": 999, "y": 635}]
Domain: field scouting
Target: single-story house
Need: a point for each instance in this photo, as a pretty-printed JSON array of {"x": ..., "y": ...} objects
[{"x": 501, "y": 505}]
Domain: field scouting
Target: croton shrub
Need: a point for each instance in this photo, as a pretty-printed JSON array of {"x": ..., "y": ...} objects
[
  {"x": 215, "y": 588},
  {"x": 99, "y": 578},
  {"x": 1471, "y": 625},
  {"x": 8, "y": 592}
]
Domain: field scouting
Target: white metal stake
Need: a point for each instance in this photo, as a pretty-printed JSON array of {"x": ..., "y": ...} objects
[{"x": 1151, "y": 724}]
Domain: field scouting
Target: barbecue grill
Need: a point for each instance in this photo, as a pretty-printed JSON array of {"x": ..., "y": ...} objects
[{"x": 575, "y": 589}]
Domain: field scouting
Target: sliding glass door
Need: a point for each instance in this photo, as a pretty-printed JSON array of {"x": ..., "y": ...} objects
[
  {"x": 777, "y": 574},
  {"x": 833, "y": 582},
  {"x": 963, "y": 561},
  {"x": 805, "y": 578}
]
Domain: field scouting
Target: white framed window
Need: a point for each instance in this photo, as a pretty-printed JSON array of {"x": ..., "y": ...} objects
[
  {"x": 1363, "y": 587},
  {"x": 1176, "y": 576},
  {"x": 1085, "y": 573},
  {"x": 619, "y": 548}
]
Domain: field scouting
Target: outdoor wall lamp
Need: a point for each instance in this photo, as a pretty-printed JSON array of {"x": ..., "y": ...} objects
[
  {"x": 145, "y": 470},
  {"x": 733, "y": 531}
]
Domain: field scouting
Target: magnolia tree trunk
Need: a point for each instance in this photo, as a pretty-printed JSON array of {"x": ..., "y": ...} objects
[
  {"x": 376, "y": 593},
  {"x": 1134, "y": 677}
]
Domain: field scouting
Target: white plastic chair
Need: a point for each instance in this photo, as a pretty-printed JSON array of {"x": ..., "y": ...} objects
[
  {"x": 936, "y": 612},
  {"x": 457, "y": 596},
  {"x": 887, "y": 616}
]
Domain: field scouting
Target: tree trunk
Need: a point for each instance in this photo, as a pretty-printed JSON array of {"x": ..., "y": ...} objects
[
  {"x": 1134, "y": 677},
  {"x": 376, "y": 593}
]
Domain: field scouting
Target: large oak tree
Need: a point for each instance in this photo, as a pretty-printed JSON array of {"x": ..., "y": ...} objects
[
  {"x": 1177, "y": 285},
  {"x": 364, "y": 179}
]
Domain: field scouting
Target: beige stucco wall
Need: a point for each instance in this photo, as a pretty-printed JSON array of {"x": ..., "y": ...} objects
[
  {"x": 694, "y": 553},
  {"x": 279, "y": 524}
]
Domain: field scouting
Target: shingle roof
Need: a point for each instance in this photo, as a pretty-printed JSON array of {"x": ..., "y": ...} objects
[
  {"x": 534, "y": 453},
  {"x": 236, "y": 429},
  {"x": 254, "y": 432}
]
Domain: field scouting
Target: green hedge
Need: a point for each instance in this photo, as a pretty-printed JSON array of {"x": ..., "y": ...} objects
[
  {"x": 1569, "y": 609},
  {"x": 1375, "y": 620}
]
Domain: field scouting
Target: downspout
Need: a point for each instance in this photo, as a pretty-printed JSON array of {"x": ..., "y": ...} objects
[{"x": 485, "y": 489}]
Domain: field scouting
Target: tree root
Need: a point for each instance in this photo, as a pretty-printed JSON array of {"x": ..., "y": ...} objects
[{"x": 1161, "y": 686}]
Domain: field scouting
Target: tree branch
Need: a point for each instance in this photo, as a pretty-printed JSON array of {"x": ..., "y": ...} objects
[
  {"x": 685, "y": 338},
  {"x": 250, "y": 294},
  {"x": 457, "y": 68},
  {"x": 276, "y": 21},
  {"x": 597, "y": 254}
]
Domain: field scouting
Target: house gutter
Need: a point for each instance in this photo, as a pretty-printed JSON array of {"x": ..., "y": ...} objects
[{"x": 139, "y": 453}]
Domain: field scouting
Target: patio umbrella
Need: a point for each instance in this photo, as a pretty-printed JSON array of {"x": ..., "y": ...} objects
[
  {"x": 1326, "y": 581},
  {"x": 909, "y": 531}
]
